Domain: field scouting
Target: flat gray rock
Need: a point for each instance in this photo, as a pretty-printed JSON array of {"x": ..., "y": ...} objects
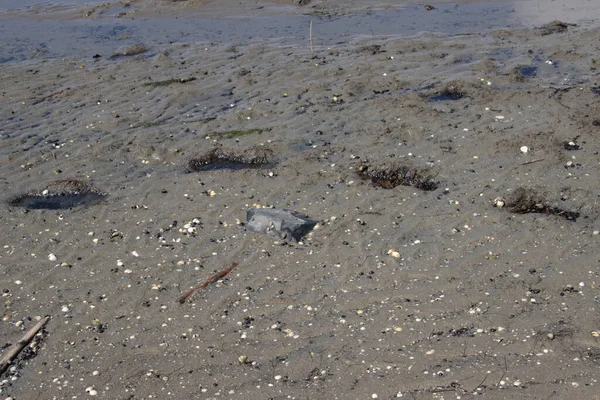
[{"x": 282, "y": 224}]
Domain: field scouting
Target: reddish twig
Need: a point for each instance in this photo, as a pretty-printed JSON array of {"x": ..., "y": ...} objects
[
  {"x": 21, "y": 344},
  {"x": 211, "y": 279}
]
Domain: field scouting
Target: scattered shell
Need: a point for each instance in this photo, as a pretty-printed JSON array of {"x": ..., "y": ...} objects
[
  {"x": 394, "y": 253},
  {"x": 499, "y": 202},
  {"x": 524, "y": 149},
  {"x": 51, "y": 257}
]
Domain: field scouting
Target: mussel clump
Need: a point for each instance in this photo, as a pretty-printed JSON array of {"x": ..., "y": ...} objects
[
  {"x": 218, "y": 158},
  {"x": 388, "y": 177}
]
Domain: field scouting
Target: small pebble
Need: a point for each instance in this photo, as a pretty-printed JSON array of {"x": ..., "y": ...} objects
[{"x": 51, "y": 257}]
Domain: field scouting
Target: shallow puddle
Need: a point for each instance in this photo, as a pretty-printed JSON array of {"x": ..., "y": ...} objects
[
  {"x": 59, "y": 202},
  {"x": 29, "y": 36}
]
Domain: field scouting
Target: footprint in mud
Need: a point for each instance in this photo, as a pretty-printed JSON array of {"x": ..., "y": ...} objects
[{"x": 61, "y": 194}]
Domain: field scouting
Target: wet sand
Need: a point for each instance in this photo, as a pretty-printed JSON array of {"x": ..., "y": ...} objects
[{"x": 397, "y": 293}]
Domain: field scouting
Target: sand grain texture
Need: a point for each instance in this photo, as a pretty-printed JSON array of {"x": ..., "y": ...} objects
[{"x": 482, "y": 301}]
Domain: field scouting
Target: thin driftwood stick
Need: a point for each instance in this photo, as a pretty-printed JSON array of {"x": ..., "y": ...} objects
[
  {"x": 531, "y": 162},
  {"x": 211, "y": 279},
  {"x": 310, "y": 37},
  {"x": 16, "y": 348}
]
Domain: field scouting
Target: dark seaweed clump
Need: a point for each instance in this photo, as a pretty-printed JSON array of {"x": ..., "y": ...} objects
[
  {"x": 218, "y": 158},
  {"x": 554, "y": 27},
  {"x": 526, "y": 200},
  {"x": 61, "y": 194},
  {"x": 450, "y": 93},
  {"x": 399, "y": 175}
]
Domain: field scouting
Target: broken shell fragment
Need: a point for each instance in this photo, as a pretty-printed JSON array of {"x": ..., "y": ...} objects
[
  {"x": 394, "y": 253},
  {"x": 499, "y": 202},
  {"x": 524, "y": 149}
]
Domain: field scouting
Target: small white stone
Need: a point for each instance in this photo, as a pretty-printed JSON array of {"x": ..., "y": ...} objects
[
  {"x": 277, "y": 377},
  {"x": 135, "y": 253},
  {"x": 374, "y": 396},
  {"x": 524, "y": 149},
  {"x": 64, "y": 309},
  {"x": 51, "y": 257}
]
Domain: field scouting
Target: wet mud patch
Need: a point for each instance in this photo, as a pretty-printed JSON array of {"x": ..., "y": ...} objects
[
  {"x": 390, "y": 176},
  {"x": 527, "y": 200},
  {"x": 61, "y": 194},
  {"x": 526, "y": 71},
  {"x": 543, "y": 145},
  {"x": 218, "y": 158}
]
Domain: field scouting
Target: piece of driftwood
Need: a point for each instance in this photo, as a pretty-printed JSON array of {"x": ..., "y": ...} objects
[
  {"x": 211, "y": 279},
  {"x": 16, "y": 348}
]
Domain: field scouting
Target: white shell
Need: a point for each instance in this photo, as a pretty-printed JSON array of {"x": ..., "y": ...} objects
[
  {"x": 394, "y": 253},
  {"x": 524, "y": 149}
]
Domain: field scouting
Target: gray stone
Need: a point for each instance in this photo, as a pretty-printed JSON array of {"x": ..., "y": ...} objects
[{"x": 283, "y": 224}]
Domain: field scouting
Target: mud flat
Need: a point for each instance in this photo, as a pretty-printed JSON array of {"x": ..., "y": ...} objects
[{"x": 463, "y": 262}]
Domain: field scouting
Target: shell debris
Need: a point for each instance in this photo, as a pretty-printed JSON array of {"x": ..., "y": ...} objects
[{"x": 394, "y": 253}]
